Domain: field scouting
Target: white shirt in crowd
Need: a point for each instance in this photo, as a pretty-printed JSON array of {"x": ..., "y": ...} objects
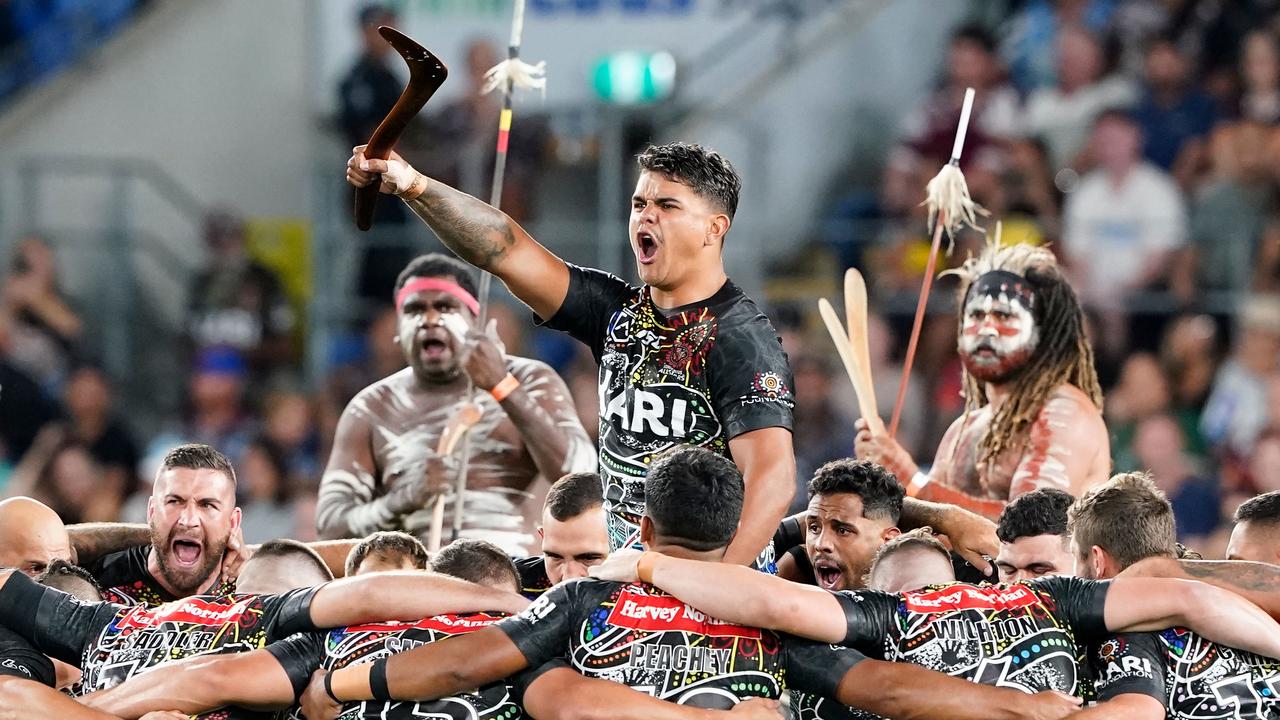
[
  {"x": 1112, "y": 231},
  {"x": 1065, "y": 121}
]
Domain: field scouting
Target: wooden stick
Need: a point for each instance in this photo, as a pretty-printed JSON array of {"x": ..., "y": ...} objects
[
  {"x": 855, "y": 310},
  {"x": 859, "y": 375},
  {"x": 459, "y": 426},
  {"x": 929, "y": 269}
]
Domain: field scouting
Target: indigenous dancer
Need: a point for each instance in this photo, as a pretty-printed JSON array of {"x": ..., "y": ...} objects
[
  {"x": 686, "y": 357},
  {"x": 1033, "y": 404},
  {"x": 384, "y": 471}
]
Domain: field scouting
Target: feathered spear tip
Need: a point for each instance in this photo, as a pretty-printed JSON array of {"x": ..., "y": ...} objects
[
  {"x": 521, "y": 74},
  {"x": 947, "y": 194}
]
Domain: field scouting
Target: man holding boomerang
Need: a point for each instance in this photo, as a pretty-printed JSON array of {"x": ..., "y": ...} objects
[{"x": 685, "y": 358}]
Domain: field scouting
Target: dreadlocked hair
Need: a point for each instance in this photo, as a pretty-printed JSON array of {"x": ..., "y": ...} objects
[{"x": 1062, "y": 355}]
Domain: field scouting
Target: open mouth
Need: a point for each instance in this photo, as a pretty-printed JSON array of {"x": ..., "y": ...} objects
[
  {"x": 187, "y": 552},
  {"x": 434, "y": 348},
  {"x": 647, "y": 247},
  {"x": 829, "y": 576}
]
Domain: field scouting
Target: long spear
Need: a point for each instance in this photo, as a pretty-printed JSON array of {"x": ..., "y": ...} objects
[{"x": 511, "y": 74}]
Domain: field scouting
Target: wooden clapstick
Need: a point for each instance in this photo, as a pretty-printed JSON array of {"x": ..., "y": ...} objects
[
  {"x": 855, "y": 310},
  {"x": 859, "y": 375},
  {"x": 458, "y": 426}
]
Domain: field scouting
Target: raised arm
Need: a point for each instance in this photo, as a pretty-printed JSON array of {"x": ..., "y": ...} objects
[
  {"x": 404, "y": 595},
  {"x": 970, "y": 534},
  {"x": 1145, "y": 604},
  {"x": 476, "y": 231},
  {"x": 346, "y": 506},
  {"x": 195, "y": 685},
  {"x": 734, "y": 593},
  {"x": 768, "y": 464}
]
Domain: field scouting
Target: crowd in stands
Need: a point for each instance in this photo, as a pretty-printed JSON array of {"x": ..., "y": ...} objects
[{"x": 1139, "y": 138}]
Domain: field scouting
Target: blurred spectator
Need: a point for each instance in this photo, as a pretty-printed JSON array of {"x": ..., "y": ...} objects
[
  {"x": 1229, "y": 214},
  {"x": 1062, "y": 115},
  {"x": 217, "y": 415},
  {"x": 585, "y": 388},
  {"x": 385, "y": 355},
  {"x": 62, "y": 474},
  {"x": 1160, "y": 448},
  {"x": 1174, "y": 115},
  {"x": 1264, "y": 463},
  {"x": 1260, "y": 71},
  {"x": 1034, "y": 33},
  {"x": 24, "y": 409},
  {"x": 886, "y": 375},
  {"x": 366, "y": 93},
  {"x": 93, "y": 424},
  {"x": 267, "y": 493},
  {"x": 1123, "y": 225},
  {"x": 1141, "y": 392},
  {"x": 238, "y": 303},
  {"x": 1189, "y": 354},
  {"x": 1236, "y": 412},
  {"x": 1031, "y": 201},
  {"x": 38, "y": 329},
  {"x": 462, "y": 137},
  {"x": 929, "y": 130},
  {"x": 823, "y": 430},
  {"x": 288, "y": 428}
]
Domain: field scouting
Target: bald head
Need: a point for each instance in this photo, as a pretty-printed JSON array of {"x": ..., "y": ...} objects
[{"x": 31, "y": 536}]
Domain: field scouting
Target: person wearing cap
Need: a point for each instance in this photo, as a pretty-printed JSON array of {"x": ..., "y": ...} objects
[{"x": 385, "y": 472}]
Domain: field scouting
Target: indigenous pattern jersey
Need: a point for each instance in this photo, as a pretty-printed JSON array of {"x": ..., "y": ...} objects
[
  {"x": 111, "y": 643},
  {"x": 1193, "y": 678},
  {"x": 302, "y": 654},
  {"x": 127, "y": 581},
  {"x": 700, "y": 374},
  {"x": 18, "y": 659},
  {"x": 1025, "y": 636},
  {"x": 533, "y": 576},
  {"x": 637, "y": 635}
]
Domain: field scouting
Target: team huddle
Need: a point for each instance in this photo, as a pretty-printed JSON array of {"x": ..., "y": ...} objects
[{"x": 1013, "y": 578}]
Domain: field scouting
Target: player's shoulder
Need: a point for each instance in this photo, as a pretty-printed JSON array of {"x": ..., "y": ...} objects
[
  {"x": 1068, "y": 402},
  {"x": 381, "y": 394},
  {"x": 528, "y": 369}
]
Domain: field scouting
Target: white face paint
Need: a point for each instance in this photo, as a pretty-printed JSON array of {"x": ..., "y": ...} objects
[{"x": 999, "y": 333}]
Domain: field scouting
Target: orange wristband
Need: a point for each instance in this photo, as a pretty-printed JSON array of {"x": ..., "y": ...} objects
[
  {"x": 505, "y": 387},
  {"x": 416, "y": 189},
  {"x": 644, "y": 566}
]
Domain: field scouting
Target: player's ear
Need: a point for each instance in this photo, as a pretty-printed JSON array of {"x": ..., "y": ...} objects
[
  {"x": 646, "y": 531},
  {"x": 717, "y": 226},
  {"x": 1098, "y": 562},
  {"x": 889, "y": 534},
  {"x": 235, "y": 519}
]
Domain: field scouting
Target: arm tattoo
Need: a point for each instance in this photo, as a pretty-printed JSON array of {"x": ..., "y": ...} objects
[
  {"x": 478, "y": 232},
  {"x": 1234, "y": 574}
]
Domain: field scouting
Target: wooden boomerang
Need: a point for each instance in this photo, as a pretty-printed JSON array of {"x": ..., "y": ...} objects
[
  {"x": 855, "y": 311},
  {"x": 859, "y": 376},
  {"x": 426, "y": 75},
  {"x": 460, "y": 424}
]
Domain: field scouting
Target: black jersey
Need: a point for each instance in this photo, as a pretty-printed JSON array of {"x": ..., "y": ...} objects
[
  {"x": 127, "y": 581},
  {"x": 111, "y": 643},
  {"x": 19, "y": 659},
  {"x": 302, "y": 654},
  {"x": 1028, "y": 636},
  {"x": 700, "y": 374},
  {"x": 1193, "y": 678},
  {"x": 533, "y": 575},
  {"x": 636, "y": 635}
]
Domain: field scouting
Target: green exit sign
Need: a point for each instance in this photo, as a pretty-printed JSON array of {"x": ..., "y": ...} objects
[{"x": 634, "y": 78}]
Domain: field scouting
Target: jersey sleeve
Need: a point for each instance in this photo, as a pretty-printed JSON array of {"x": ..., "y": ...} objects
[
  {"x": 870, "y": 615},
  {"x": 542, "y": 630},
  {"x": 19, "y": 659},
  {"x": 593, "y": 297},
  {"x": 790, "y": 534},
  {"x": 1082, "y": 603},
  {"x": 751, "y": 383},
  {"x": 520, "y": 682},
  {"x": 55, "y": 623},
  {"x": 1130, "y": 663},
  {"x": 817, "y": 668},
  {"x": 299, "y": 655},
  {"x": 289, "y": 613}
]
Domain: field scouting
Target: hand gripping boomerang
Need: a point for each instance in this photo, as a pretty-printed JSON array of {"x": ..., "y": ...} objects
[{"x": 426, "y": 75}]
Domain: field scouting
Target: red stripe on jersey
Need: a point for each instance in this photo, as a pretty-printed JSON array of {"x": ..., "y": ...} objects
[
  {"x": 968, "y": 597},
  {"x": 662, "y": 613}
]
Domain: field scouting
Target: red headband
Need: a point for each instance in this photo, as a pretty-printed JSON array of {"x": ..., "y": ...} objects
[{"x": 417, "y": 285}]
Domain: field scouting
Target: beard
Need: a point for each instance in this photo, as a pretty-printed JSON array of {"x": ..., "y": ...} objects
[
  {"x": 188, "y": 579},
  {"x": 996, "y": 368}
]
